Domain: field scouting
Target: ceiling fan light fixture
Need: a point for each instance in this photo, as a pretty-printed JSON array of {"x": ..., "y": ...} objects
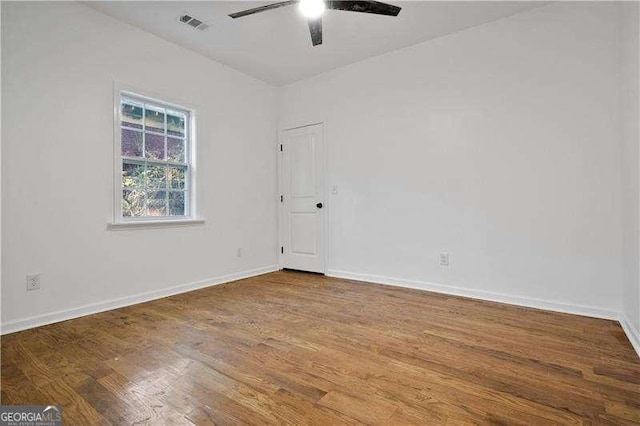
[{"x": 312, "y": 9}]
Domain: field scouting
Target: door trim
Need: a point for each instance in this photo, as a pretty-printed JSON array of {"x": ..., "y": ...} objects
[{"x": 280, "y": 186}]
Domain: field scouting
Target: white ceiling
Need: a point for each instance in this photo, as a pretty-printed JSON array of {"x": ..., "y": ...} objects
[{"x": 275, "y": 46}]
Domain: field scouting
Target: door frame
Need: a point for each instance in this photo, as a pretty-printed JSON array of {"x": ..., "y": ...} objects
[{"x": 280, "y": 187}]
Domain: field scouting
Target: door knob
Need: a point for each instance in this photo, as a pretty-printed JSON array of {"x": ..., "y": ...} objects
[{"x": 319, "y": 205}]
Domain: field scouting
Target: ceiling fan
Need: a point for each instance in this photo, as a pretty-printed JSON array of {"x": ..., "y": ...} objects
[{"x": 313, "y": 9}]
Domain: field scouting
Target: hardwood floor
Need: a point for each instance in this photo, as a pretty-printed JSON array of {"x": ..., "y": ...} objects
[{"x": 299, "y": 348}]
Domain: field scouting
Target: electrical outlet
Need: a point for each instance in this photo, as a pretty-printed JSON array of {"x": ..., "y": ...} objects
[
  {"x": 239, "y": 252},
  {"x": 33, "y": 282},
  {"x": 444, "y": 260}
]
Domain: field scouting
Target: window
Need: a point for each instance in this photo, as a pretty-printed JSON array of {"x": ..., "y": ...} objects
[{"x": 155, "y": 163}]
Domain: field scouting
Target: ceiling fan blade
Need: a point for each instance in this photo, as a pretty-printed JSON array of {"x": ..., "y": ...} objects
[
  {"x": 364, "y": 6},
  {"x": 315, "y": 28},
  {"x": 262, "y": 8}
]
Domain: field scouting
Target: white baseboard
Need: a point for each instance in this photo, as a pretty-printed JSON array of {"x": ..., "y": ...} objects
[
  {"x": 633, "y": 334},
  {"x": 549, "y": 305},
  {"x": 94, "y": 308},
  {"x": 36, "y": 321}
]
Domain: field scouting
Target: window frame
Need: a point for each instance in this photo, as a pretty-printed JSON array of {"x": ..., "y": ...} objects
[{"x": 123, "y": 222}]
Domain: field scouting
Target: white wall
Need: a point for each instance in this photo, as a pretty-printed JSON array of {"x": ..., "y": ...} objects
[
  {"x": 498, "y": 144},
  {"x": 0, "y": 165},
  {"x": 59, "y": 62},
  {"x": 630, "y": 120}
]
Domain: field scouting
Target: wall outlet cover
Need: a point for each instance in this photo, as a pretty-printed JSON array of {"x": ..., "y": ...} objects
[{"x": 33, "y": 282}]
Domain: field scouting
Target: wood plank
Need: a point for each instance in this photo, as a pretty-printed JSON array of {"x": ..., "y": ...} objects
[
  {"x": 370, "y": 410},
  {"x": 296, "y": 348}
]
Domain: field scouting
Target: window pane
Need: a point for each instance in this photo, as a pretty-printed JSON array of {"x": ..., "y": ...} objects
[
  {"x": 154, "y": 119},
  {"x": 131, "y": 114},
  {"x": 154, "y": 146},
  {"x": 175, "y": 150},
  {"x": 155, "y": 155},
  {"x": 175, "y": 123},
  {"x": 132, "y": 203},
  {"x": 157, "y": 203},
  {"x": 176, "y": 203},
  {"x": 132, "y": 175},
  {"x": 156, "y": 176},
  {"x": 131, "y": 143},
  {"x": 176, "y": 177}
]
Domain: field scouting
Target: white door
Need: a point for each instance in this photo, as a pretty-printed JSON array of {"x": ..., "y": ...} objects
[{"x": 302, "y": 209}]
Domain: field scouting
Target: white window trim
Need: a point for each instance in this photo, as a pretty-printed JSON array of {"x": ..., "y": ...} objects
[
  {"x": 121, "y": 223},
  {"x": 154, "y": 224}
]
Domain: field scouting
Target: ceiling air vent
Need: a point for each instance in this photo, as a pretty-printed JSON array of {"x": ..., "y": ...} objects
[{"x": 193, "y": 22}]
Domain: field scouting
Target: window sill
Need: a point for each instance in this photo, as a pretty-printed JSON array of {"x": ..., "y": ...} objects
[{"x": 153, "y": 224}]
